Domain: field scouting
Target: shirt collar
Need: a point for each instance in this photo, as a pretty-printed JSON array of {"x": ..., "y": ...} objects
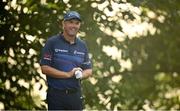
[{"x": 62, "y": 37}]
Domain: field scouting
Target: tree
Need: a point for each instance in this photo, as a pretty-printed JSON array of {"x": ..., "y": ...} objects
[{"x": 134, "y": 47}]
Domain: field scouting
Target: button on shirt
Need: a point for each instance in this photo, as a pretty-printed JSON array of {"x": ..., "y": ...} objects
[{"x": 60, "y": 54}]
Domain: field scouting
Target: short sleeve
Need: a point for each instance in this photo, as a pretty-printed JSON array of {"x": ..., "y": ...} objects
[
  {"x": 87, "y": 64},
  {"x": 46, "y": 54}
]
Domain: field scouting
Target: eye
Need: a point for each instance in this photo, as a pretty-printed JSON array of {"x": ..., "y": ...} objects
[
  {"x": 71, "y": 21},
  {"x": 77, "y": 22}
]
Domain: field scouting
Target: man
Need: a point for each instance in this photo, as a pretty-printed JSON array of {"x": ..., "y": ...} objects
[{"x": 65, "y": 62}]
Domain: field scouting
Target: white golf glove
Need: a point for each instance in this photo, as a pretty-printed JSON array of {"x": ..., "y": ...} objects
[{"x": 78, "y": 74}]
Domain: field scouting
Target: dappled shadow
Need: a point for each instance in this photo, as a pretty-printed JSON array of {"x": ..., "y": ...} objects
[{"x": 134, "y": 46}]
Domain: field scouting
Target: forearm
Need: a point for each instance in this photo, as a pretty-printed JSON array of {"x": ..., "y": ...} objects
[
  {"x": 87, "y": 73},
  {"x": 50, "y": 71}
]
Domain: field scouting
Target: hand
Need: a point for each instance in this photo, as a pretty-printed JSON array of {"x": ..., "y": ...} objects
[
  {"x": 72, "y": 72},
  {"x": 78, "y": 74}
]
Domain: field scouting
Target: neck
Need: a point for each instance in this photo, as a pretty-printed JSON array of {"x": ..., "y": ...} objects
[{"x": 70, "y": 39}]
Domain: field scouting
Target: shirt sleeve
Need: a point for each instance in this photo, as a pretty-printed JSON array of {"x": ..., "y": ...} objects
[
  {"x": 87, "y": 64},
  {"x": 46, "y": 54}
]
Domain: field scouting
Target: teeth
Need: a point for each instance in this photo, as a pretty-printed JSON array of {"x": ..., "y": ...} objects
[{"x": 73, "y": 30}]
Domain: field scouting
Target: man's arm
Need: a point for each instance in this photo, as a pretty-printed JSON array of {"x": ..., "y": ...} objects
[
  {"x": 86, "y": 73},
  {"x": 50, "y": 71}
]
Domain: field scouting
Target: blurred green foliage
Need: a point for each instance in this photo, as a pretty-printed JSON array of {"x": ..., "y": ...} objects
[{"x": 135, "y": 68}]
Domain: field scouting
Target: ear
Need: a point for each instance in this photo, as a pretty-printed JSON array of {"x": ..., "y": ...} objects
[{"x": 63, "y": 23}]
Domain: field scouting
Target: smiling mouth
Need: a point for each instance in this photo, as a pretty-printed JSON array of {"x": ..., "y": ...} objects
[
  {"x": 73, "y": 29},
  {"x": 73, "y": 32}
]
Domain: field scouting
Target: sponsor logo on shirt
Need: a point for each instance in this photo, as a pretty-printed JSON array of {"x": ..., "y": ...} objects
[
  {"x": 87, "y": 63},
  {"x": 47, "y": 56},
  {"x": 79, "y": 53},
  {"x": 65, "y": 51},
  {"x": 60, "y": 50}
]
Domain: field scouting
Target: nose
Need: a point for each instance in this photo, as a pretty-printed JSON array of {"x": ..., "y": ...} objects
[{"x": 74, "y": 25}]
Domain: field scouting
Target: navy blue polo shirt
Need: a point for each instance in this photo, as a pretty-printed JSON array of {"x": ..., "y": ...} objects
[{"x": 60, "y": 54}]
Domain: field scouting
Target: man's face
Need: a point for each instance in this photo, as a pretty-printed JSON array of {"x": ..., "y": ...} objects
[{"x": 71, "y": 27}]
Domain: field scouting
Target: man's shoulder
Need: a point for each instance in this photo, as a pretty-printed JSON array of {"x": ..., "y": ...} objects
[
  {"x": 82, "y": 44},
  {"x": 79, "y": 40},
  {"x": 53, "y": 38}
]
